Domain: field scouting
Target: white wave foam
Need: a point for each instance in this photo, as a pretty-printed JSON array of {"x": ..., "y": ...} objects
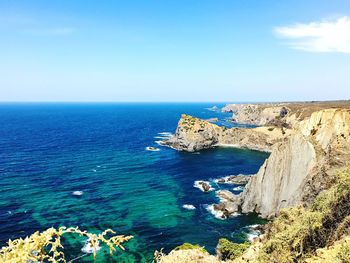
[
  {"x": 253, "y": 232},
  {"x": 252, "y": 235},
  {"x": 161, "y": 143},
  {"x": 161, "y": 137},
  {"x": 78, "y": 193},
  {"x": 226, "y": 178},
  {"x": 238, "y": 188},
  {"x": 197, "y": 184},
  {"x": 152, "y": 149},
  {"x": 189, "y": 207},
  {"x": 216, "y": 213},
  {"x": 87, "y": 248},
  {"x": 165, "y": 134},
  {"x": 222, "y": 178}
]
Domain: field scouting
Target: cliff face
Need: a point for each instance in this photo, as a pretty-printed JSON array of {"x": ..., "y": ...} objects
[
  {"x": 302, "y": 161},
  {"x": 193, "y": 134},
  {"x": 302, "y": 165},
  {"x": 279, "y": 182},
  {"x": 257, "y": 114}
]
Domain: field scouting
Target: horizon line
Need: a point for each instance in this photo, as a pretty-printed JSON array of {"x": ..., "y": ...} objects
[{"x": 145, "y": 102}]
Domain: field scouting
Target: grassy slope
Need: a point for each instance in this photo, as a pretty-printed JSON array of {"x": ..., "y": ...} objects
[{"x": 307, "y": 234}]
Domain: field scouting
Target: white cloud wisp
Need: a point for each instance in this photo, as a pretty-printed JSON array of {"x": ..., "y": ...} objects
[{"x": 324, "y": 36}]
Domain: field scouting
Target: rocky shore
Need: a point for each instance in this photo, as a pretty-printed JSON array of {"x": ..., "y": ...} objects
[
  {"x": 193, "y": 134},
  {"x": 308, "y": 143}
]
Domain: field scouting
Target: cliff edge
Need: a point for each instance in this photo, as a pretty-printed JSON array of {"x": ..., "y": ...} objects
[
  {"x": 193, "y": 134},
  {"x": 304, "y": 155}
]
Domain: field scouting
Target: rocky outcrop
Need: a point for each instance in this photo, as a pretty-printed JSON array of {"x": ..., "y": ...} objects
[
  {"x": 234, "y": 179},
  {"x": 257, "y": 114},
  {"x": 186, "y": 256},
  {"x": 302, "y": 163},
  {"x": 230, "y": 203},
  {"x": 193, "y": 134}
]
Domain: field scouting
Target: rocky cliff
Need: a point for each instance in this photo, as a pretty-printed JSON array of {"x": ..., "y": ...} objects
[
  {"x": 280, "y": 181},
  {"x": 257, "y": 114},
  {"x": 279, "y": 114},
  {"x": 302, "y": 161},
  {"x": 193, "y": 134}
]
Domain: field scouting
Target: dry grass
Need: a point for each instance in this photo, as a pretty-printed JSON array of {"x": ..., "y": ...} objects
[
  {"x": 185, "y": 256},
  {"x": 299, "y": 232},
  {"x": 46, "y": 246}
]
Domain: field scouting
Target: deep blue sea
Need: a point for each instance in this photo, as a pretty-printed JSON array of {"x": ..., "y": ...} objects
[{"x": 48, "y": 151}]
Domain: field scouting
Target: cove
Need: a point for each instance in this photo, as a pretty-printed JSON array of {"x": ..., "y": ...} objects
[{"x": 50, "y": 151}]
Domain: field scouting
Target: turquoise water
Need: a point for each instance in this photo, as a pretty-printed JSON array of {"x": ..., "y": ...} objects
[{"x": 48, "y": 151}]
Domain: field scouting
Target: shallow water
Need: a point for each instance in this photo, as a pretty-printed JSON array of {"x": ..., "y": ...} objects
[{"x": 49, "y": 151}]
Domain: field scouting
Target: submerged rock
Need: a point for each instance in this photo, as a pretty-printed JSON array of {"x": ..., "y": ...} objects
[
  {"x": 214, "y": 108},
  {"x": 229, "y": 205},
  {"x": 212, "y": 119},
  {"x": 152, "y": 149},
  {"x": 234, "y": 179},
  {"x": 203, "y": 186}
]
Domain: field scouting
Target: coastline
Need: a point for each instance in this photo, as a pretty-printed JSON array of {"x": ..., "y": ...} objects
[{"x": 288, "y": 133}]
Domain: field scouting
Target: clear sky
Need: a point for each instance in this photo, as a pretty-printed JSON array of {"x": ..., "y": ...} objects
[{"x": 174, "y": 50}]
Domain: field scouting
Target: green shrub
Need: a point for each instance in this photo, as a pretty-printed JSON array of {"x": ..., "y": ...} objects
[
  {"x": 186, "y": 246},
  {"x": 229, "y": 250}
]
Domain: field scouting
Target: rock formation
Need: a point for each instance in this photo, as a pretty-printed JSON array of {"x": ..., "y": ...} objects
[
  {"x": 279, "y": 182},
  {"x": 234, "y": 179},
  {"x": 193, "y": 134},
  {"x": 303, "y": 158},
  {"x": 257, "y": 114}
]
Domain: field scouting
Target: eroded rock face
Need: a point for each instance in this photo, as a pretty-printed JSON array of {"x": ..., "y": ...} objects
[
  {"x": 234, "y": 179},
  {"x": 193, "y": 134},
  {"x": 257, "y": 114},
  {"x": 302, "y": 163},
  {"x": 230, "y": 203},
  {"x": 279, "y": 182}
]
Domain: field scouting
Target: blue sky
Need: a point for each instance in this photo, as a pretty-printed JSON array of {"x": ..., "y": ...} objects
[{"x": 180, "y": 50}]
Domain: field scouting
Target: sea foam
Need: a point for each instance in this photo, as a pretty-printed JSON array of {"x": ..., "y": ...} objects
[
  {"x": 197, "y": 184},
  {"x": 189, "y": 207},
  {"x": 238, "y": 188}
]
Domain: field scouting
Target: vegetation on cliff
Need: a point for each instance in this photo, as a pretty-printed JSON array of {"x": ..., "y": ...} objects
[
  {"x": 46, "y": 246},
  {"x": 318, "y": 233},
  {"x": 300, "y": 234},
  {"x": 186, "y": 246},
  {"x": 228, "y": 250}
]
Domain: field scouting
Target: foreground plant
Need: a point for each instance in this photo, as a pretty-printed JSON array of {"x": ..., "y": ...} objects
[
  {"x": 46, "y": 246},
  {"x": 299, "y": 234}
]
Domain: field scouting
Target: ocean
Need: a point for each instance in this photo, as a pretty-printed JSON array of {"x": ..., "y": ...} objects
[{"x": 48, "y": 151}]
